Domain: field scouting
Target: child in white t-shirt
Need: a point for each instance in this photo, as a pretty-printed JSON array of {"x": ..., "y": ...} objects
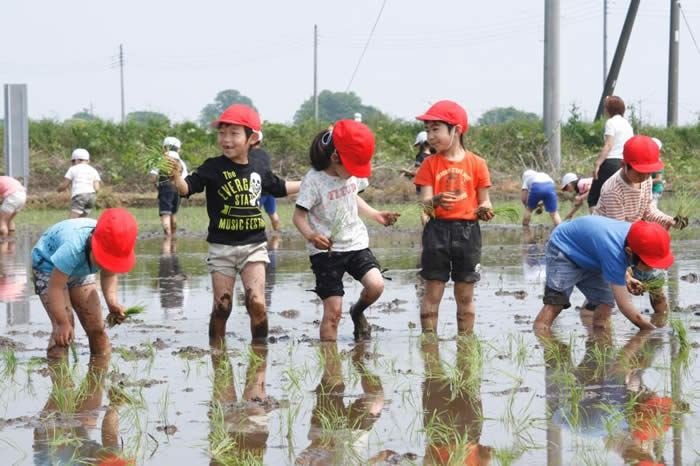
[
  {"x": 84, "y": 181},
  {"x": 327, "y": 216}
]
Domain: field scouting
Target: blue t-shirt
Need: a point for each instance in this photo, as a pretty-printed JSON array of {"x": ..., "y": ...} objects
[
  {"x": 595, "y": 243},
  {"x": 63, "y": 247}
]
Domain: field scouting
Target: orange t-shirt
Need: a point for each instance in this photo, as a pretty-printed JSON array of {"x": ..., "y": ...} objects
[{"x": 464, "y": 177}]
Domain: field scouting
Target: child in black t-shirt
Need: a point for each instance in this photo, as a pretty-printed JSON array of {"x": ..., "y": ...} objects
[{"x": 237, "y": 242}]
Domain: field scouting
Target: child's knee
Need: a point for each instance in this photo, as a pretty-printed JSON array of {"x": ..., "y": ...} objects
[
  {"x": 255, "y": 304},
  {"x": 332, "y": 315},
  {"x": 374, "y": 289},
  {"x": 223, "y": 306}
]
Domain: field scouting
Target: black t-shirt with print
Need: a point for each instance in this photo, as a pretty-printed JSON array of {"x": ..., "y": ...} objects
[
  {"x": 256, "y": 152},
  {"x": 233, "y": 198}
]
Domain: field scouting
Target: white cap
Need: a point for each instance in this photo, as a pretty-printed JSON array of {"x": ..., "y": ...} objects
[
  {"x": 173, "y": 154},
  {"x": 568, "y": 178},
  {"x": 358, "y": 117},
  {"x": 259, "y": 136},
  {"x": 421, "y": 138},
  {"x": 80, "y": 154},
  {"x": 172, "y": 141},
  {"x": 658, "y": 142}
]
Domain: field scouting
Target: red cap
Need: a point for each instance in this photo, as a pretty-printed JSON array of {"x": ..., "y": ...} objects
[
  {"x": 642, "y": 153},
  {"x": 652, "y": 243},
  {"x": 354, "y": 143},
  {"x": 113, "y": 240},
  {"x": 447, "y": 111},
  {"x": 239, "y": 114}
]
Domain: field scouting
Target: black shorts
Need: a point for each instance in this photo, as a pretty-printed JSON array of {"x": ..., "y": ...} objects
[
  {"x": 451, "y": 248},
  {"x": 606, "y": 170},
  {"x": 168, "y": 202},
  {"x": 330, "y": 268}
]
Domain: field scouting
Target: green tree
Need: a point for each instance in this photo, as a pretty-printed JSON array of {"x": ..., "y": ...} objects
[
  {"x": 499, "y": 115},
  {"x": 85, "y": 114},
  {"x": 145, "y": 117},
  {"x": 222, "y": 101},
  {"x": 333, "y": 106}
]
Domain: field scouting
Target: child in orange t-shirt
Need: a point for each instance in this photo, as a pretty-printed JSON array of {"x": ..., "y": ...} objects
[{"x": 454, "y": 183}]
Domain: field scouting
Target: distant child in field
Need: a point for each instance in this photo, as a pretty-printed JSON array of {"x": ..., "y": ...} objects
[
  {"x": 13, "y": 197},
  {"x": 266, "y": 200},
  {"x": 237, "y": 243},
  {"x": 579, "y": 187},
  {"x": 454, "y": 187},
  {"x": 538, "y": 187},
  {"x": 84, "y": 181},
  {"x": 326, "y": 215},
  {"x": 168, "y": 197},
  {"x": 627, "y": 196},
  {"x": 65, "y": 261},
  {"x": 657, "y": 179},
  {"x": 593, "y": 253}
]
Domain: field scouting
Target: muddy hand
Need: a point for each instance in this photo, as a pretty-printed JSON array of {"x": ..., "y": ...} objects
[
  {"x": 63, "y": 335},
  {"x": 445, "y": 200},
  {"x": 175, "y": 168},
  {"x": 387, "y": 218},
  {"x": 635, "y": 287},
  {"x": 116, "y": 314},
  {"x": 320, "y": 241}
]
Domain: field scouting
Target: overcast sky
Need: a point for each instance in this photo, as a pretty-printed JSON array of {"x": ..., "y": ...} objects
[{"x": 179, "y": 54}]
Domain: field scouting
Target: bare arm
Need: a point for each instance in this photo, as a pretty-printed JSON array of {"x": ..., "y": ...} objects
[
  {"x": 301, "y": 221},
  {"x": 628, "y": 310},
  {"x": 383, "y": 218},
  {"x": 96, "y": 185},
  {"x": 57, "y": 308},
  {"x": 292, "y": 187},
  {"x": 607, "y": 146},
  {"x": 64, "y": 185}
]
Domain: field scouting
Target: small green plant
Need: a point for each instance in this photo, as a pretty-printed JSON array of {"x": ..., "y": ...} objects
[
  {"x": 11, "y": 363},
  {"x": 155, "y": 158}
]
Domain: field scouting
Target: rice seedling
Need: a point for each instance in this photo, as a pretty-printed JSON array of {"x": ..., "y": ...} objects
[
  {"x": 128, "y": 313},
  {"x": 342, "y": 217},
  {"x": 685, "y": 201},
  {"x": 74, "y": 350},
  {"x": 10, "y": 362},
  {"x": 680, "y": 331},
  {"x": 155, "y": 158}
]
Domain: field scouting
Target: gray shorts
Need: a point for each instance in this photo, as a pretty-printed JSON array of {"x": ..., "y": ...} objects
[
  {"x": 83, "y": 203},
  {"x": 563, "y": 275},
  {"x": 230, "y": 260},
  {"x": 41, "y": 281}
]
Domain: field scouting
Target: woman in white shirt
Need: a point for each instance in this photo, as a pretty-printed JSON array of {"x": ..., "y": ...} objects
[{"x": 617, "y": 132}]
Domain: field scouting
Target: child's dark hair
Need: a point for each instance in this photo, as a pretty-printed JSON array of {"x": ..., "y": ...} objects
[
  {"x": 170, "y": 147},
  {"x": 449, "y": 128},
  {"x": 321, "y": 150},
  {"x": 248, "y": 131},
  {"x": 635, "y": 258}
]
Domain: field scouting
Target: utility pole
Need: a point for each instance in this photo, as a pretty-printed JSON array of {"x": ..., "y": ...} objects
[
  {"x": 315, "y": 72},
  {"x": 605, "y": 40},
  {"x": 551, "y": 111},
  {"x": 121, "y": 75},
  {"x": 611, "y": 80},
  {"x": 672, "y": 109}
]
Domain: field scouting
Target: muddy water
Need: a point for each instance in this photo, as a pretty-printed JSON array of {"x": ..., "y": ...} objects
[{"x": 579, "y": 397}]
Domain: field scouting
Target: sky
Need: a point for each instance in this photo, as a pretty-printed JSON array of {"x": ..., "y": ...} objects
[{"x": 179, "y": 54}]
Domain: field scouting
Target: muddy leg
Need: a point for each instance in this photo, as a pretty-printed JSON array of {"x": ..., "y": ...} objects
[
  {"x": 165, "y": 223},
  {"x": 86, "y": 302},
  {"x": 53, "y": 350},
  {"x": 332, "y": 309},
  {"x": 373, "y": 284},
  {"x": 431, "y": 303},
  {"x": 466, "y": 310},
  {"x": 255, "y": 376},
  {"x": 546, "y": 317},
  {"x": 601, "y": 316},
  {"x": 173, "y": 224},
  {"x": 221, "y": 309},
  {"x": 658, "y": 301},
  {"x": 253, "y": 276}
]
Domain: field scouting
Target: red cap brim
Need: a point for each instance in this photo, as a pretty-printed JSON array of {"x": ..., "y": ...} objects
[
  {"x": 360, "y": 171},
  {"x": 662, "y": 263},
  {"x": 110, "y": 262},
  {"x": 648, "y": 167},
  {"x": 428, "y": 117}
]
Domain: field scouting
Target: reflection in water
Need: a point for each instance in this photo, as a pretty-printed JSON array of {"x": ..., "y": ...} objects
[
  {"x": 71, "y": 412},
  {"x": 605, "y": 396},
  {"x": 239, "y": 430},
  {"x": 532, "y": 257},
  {"x": 171, "y": 280},
  {"x": 13, "y": 278},
  {"x": 273, "y": 244},
  {"x": 340, "y": 434},
  {"x": 452, "y": 407}
]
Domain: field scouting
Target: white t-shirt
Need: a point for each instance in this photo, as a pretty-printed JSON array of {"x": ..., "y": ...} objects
[
  {"x": 532, "y": 176},
  {"x": 621, "y": 130},
  {"x": 332, "y": 207},
  {"x": 82, "y": 177},
  {"x": 156, "y": 172}
]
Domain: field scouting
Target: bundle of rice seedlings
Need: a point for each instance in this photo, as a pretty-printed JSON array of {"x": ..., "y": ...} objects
[
  {"x": 155, "y": 158},
  {"x": 510, "y": 213},
  {"x": 131, "y": 311},
  {"x": 686, "y": 202}
]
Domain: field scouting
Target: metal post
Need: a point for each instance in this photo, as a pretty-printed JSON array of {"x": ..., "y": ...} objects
[
  {"x": 605, "y": 40},
  {"x": 672, "y": 109},
  {"x": 551, "y": 111},
  {"x": 315, "y": 72},
  {"x": 121, "y": 73},
  {"x": 16, "y": 132},
  {"x": 614, "y": 72}
]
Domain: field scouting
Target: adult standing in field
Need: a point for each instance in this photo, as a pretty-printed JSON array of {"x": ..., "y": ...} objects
[
  {"x": 168, "y": 197},
  {"x": 617, "y": 132},
  {"x": 84, "y": 181},
  {"x": 13, "y": 197},
  {"x": 267, "y": 200}
]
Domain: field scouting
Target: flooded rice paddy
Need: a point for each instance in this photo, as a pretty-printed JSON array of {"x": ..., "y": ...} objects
[{"x": 501, "y": 396}]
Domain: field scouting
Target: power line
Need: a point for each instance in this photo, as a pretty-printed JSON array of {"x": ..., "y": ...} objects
[
  {"x": 689, "y": 29},
  {"x": 371, "y": 33}
]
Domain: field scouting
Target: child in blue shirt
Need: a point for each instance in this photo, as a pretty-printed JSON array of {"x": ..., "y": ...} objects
[
  {"x": 592, "y": 253},
  {"x": 64, "y": 263}
]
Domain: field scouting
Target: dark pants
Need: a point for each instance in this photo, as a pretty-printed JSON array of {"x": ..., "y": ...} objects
[{"x": 606, "y": 170}]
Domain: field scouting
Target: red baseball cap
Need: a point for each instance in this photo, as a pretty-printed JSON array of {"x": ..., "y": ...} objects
[
  {"x": 447, "y": 111},
  {"x": 642, "y": 153},
  {"x": 113, "y": 240},
  {"x": 239, "y": 114},
  {"x": 652, "y": 243},
  {"x": 354, "y": 143}
]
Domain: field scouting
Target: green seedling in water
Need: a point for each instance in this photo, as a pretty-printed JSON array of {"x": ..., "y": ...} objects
[
  {"x": 74, "y": 350},
  {"x": 10, "y": 359}
]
